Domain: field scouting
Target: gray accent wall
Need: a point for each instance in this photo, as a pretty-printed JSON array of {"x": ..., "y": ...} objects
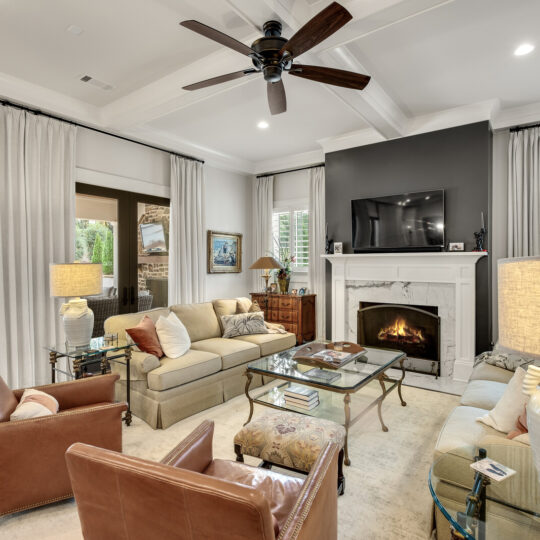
[{"x": 458, "y": 160}]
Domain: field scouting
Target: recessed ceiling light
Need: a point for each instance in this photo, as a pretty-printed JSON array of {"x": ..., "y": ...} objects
[
  {"x": 523, "y": 49},
  {"x": 263, "y": 124},
  {"x": 75, "y": 30}
]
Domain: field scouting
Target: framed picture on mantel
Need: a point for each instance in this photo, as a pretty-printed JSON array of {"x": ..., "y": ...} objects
[{"x": 224, "y": 252}]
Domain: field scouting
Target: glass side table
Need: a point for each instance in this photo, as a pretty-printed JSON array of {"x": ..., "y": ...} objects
[
  {"x": 478, "y": 520},
  {"x": 78, "y": 359}
]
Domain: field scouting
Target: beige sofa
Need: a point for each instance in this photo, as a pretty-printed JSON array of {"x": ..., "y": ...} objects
[
  {"x": 461, "y": 436},
  {"x": 166, "y": 390}
]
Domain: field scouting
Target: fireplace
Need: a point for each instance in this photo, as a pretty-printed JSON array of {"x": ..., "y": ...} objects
[{"x": 415, "y": 330}]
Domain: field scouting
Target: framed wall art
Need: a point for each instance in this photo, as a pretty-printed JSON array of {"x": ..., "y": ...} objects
[{"x": 224, "y": 252}]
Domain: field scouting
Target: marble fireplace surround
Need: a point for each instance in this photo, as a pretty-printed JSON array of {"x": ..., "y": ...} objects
[{"x": 443, "y": 279}]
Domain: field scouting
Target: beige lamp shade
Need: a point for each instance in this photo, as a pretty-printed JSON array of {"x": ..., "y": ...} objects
[
  {"x": 519, "y": 304},
  {"x": 75, "y": 279},
  {"x": 265, "y": 263}
]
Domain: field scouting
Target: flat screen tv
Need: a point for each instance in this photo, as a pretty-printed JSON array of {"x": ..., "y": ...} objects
[
  {"x": 405, "y": 222},
  {"x": 153, "y": 237}
]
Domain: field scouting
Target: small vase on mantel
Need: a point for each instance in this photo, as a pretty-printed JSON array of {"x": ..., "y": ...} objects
[{"x": 284, "y": 285}]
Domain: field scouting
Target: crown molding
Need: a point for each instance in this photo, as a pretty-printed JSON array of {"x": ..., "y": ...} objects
[
  {"x": 527, "y": 114},
  {"x": 38, "y": 97}
]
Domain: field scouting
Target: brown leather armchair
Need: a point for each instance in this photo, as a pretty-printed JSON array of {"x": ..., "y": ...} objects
[
  {"x": 189, "y": 495},
  {"x": 33, "y": 469}
]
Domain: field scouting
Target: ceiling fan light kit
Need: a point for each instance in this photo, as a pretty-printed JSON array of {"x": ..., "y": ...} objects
[{"x": 272, "y": 55}]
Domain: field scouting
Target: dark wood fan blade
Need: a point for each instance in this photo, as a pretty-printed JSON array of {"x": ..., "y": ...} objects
[
  {"x": 216, "y": 35},
  {"x": 220, "y": 79},
  {"x": 337, "y": 77},
  {"x": 277, "y": 100},
  {"x": 322, "y": 26}
]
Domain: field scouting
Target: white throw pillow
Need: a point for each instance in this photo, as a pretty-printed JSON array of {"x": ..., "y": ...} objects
[
  {"x": 34, "y": 403},
  {"x": 173, "y": 336},
  {"x": 503, "y": 416}
]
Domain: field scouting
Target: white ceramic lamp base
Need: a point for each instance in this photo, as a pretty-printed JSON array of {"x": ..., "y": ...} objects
[{"x": 78, "y": 322}]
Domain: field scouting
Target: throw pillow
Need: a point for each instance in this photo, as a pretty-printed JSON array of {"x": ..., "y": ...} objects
[
  {"x": 503, "y": 416},
  {"x": 254, "y": 308},
  {"x": 243, "y": 324},
  {"x": 503, "y": 360},
  {"x": 8, "y": 401},
  {"x": 34, "y": 403},
  {"x": 242, "y": 304},
  {"x": 521, "y": 431},
  {"x": 145, "y": 336},
  {"x": 173, "y": 336}
]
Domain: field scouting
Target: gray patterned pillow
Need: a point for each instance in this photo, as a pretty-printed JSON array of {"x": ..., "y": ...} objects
[
  {"x": 243, "y": 324},
  {"x": 504, "y": 360}
]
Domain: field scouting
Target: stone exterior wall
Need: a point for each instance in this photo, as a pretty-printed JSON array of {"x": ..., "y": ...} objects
[{"x": 152, "y": 213}]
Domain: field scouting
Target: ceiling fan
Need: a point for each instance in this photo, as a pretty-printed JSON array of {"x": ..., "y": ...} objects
[{"x": 273, "y": 54}]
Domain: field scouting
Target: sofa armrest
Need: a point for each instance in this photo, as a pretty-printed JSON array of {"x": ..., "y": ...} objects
[
  {"x": 141, "y": 363},
  {"x": 33, "y": 451},
  {"x": 88, "y": 391},
  {"x": 195, "y": 451},
  {"x": 522, "y": 489},
  {"x": 314, "y": 515}
]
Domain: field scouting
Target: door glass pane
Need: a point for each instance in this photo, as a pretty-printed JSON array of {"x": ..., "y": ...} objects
[
  {"x": 153, "y": 255},
  {"x": 96, "y": 241}
]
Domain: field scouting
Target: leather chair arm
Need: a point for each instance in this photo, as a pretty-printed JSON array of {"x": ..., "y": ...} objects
[
  {"x": 314, "y": 515},
  {"x": 195, "y": 451},
  {"x": 69, "y": 394},
  {"x": 33, "y": 451}
]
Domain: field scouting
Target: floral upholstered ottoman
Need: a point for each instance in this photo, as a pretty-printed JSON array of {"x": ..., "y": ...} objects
[{"x": 289, "y": 440}]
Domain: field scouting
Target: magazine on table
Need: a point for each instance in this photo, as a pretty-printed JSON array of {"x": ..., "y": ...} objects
[
  {"x": 492, "y": 469},
  {"x": 330, "y": 355},
  {"x": 322, "y": 375}
]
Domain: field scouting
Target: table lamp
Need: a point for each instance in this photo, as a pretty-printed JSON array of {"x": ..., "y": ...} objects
[
  {"x": 73, "y": 281},
  {"x": 519, "y": 330},
  {"x": 266, "y": 264}
]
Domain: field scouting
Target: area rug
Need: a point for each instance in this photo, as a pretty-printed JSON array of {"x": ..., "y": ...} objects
[{"x": 386, "y": 496}]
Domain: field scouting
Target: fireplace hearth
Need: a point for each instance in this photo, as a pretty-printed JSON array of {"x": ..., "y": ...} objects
[{"x": 414, "y": 330}]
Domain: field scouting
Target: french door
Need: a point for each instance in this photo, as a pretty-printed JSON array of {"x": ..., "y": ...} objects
[{"x": 128, "y": 233}]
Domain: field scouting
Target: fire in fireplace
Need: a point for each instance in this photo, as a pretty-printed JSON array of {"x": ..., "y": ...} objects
[{"x": 414, "y": 330}]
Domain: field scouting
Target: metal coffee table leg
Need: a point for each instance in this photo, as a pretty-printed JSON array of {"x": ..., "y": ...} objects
[{"x": 347, "y": 401}]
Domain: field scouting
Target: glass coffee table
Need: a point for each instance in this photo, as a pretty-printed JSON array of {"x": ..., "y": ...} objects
[{"x": 365, "y": 368}]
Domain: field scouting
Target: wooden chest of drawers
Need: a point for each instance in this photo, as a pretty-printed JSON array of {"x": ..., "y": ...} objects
[{"x": 295, "y": 313}]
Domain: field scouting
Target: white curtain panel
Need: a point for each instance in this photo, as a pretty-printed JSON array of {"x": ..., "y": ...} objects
[
  {"x": 263, "y": 205},
  {"x": 317, "y": 265},
  {"x": 524, "y": 193},
  {"x": 187, "y": 254},
  {"x": 37, "y": 213}
]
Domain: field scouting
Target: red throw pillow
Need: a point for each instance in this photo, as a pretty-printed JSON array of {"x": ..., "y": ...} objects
[
  {"x": 8, "y": 401},
  {"x": 145, "y": 336}
]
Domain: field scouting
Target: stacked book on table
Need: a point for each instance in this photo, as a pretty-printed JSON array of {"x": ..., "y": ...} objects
[{"x": 301, "y": 396}]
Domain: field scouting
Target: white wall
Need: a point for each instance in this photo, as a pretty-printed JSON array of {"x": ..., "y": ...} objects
[
  {"x": 228, "y": 209},
  {"x": 499, "y": 219},
  {"x": 107, "y": 161}
]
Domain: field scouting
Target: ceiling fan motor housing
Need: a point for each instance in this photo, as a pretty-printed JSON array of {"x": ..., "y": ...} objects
[{"x": 268, "y": 48}]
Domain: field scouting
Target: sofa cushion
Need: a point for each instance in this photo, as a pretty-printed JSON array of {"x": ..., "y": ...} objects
[
  {"x": 199, "y": 319},
  {"x": 118, "y": 323},
  {"x": 487, "y": 372},
  {"x": 483, "y": 394},
  {"x": 270, "y": 343},
  {"x": 176, "y": 371},
  {"x": 224, "y": 306},
  {"x": 233, "y": 353}
]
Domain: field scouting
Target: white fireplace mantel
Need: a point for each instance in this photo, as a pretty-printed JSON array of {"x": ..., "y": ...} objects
[{"x": 457, "y": 268}]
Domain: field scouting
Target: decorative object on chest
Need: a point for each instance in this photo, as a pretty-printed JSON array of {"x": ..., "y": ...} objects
[{"x": 295, "y": 313}]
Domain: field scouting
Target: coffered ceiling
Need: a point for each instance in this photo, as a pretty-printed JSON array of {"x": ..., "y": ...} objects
[{"x": 434, "y": 64}]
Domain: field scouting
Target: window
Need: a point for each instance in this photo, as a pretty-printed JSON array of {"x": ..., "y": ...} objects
[{"x": 291, "y": 236}]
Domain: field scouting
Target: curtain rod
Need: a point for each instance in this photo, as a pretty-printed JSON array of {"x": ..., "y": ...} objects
[
  {"x": 291, "y": 170},
  {"x": 521, "y": 128},
  {"x": 41, "y": 113}
]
